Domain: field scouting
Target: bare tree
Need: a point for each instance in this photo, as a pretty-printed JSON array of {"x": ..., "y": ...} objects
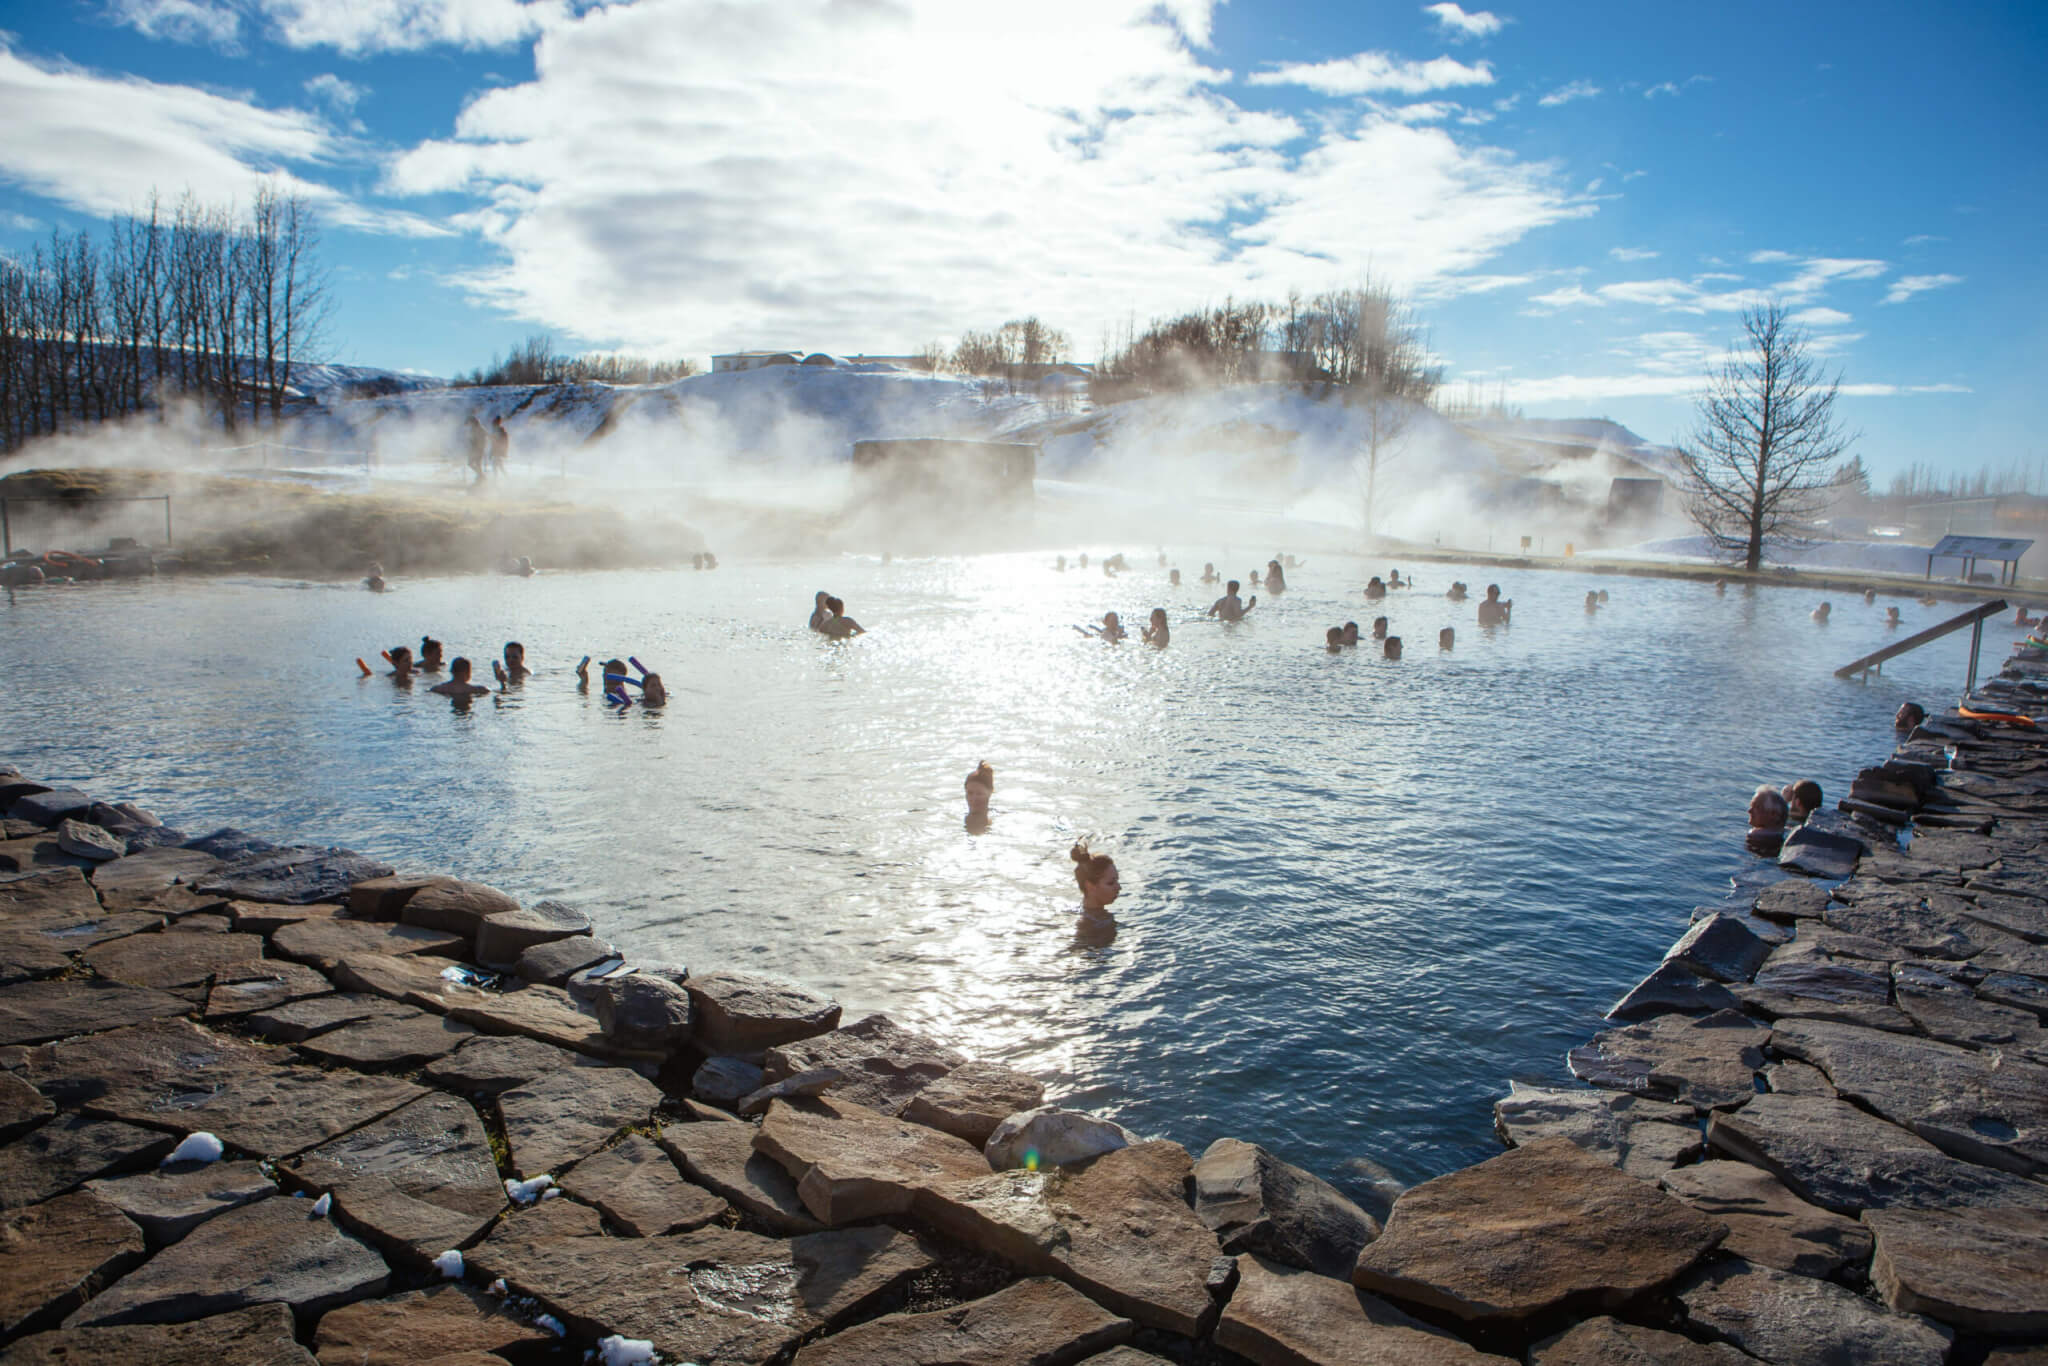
[
  {"x": 1760, "y": 462},
  {"x": 1387, "y": 419}
]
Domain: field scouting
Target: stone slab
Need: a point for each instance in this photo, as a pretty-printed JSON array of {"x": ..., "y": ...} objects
[
  {"x": 421, "y": 1326},
  {"x": 293, "y": 876},
  {"x": 274, "y": 1251},
  {"x": 384, "y": 898},
  {"x": 885, "y": 1065},
  {"x": 1719, "y": 947},
  {"x": 1673, "y": 989},
  {"x": 33, "y": 1012},
  {"x": 152, "y": 870},
  {"x": 486, "y": 1065},
  {"x": 400, "y": 1042},
  {"x": 58, "y": 890},
  {"x": 502, "y": 938},
  {"x": 1645, "y": 1138},
  {"x": 50, "y": 807},
  {"x": 324, "y": 941},
  {"x": 312, "y": 1016},
  {"x": 547, "y": 1014},
  {"x": 1610, "y": 1342},
  {"x": 971, "y": 1100},
  {"x": 1540, "y": 1227},
  {"x": 168, "y": 1203},
  {"x": 255, "y": 984},
  {"x": 70, "y": 1150},
  {"x": 1784, "y": 1318},
  {"x": 171, "y": 961},
  {"x": 1710, "y": 1062},
  {"x": 267, "y": 918},
  {"x": 257, "y": 1336},
  {"x": 1979, "y": 1270},
  {"x": 173, "y": 1073},
  {"x": 22, "y": 1107},
  {"x": 1038, "y": 1322},
  {"x": 746, "y": 1015},
  {"x": 638, "y": 1188},
  {"x": 567, "y": 1115},
  {"x": 456, "y": 906},
  {"x": 853, "y": 1163},
  {"x": 1118, "y": 1229},
  {"x": 556, "y": 961},
  {"x": 56, "y": 1254},
  {"x": 719, "y": 1156},
  {"x": 1282, "y": 1316},
  {"x": 1767, "y": 1224},
  {"x": 1256, "y": 1203},
  {"x": 416, "y": 1183}
]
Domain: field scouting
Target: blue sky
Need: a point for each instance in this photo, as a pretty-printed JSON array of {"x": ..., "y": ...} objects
[{"x": 1580, "y": 196}]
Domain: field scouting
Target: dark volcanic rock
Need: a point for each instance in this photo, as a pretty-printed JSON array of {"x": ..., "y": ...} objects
[
  {"x": 1819, "y": 854},
  {"x": 69, "y": 1150},
  {"x": 170, "y": 1202},
  {"x": 423, "y": 1326},
  {"x": 1767, "y": 1224},
  {"x": 503, "y": 937},
  {"x": 486, "y": 1066},
  {"x": 60, "y": 891},
  {"x": 1710, "y": 1062},
  {"x": 885, "y": 1064},
  {"x": 455, "y": 906},
  {"x": 638, "y": 1188},
  {"x": 293, "y": 876},
  {"x": 1780, "y": 1317},
  {"x": 724, "y": 1081},
  {"x": 971, "y": 1100},
  {"x": 1037, "y": 1322},
  {"x": 55, "y": 1254},
  {"x": 1254, "y": 1202},
  {"x": 384, "y": 898},
  {"x": 557, "y": 960},
  {"x": 719, "y": 1156},
  {"x": 87, "y": 841},
  {"x": 538, "y": 1012},
  {"x": 1610, "y": 1342},
  {"x": 745, "y": 1016},
  {"x": 271, "y": 1251},
  {"x": 230, "y": 845},
  {"x": 258, "y": 1336},
  {"x": 22, "y": 1107},
  {"x": 1279, "y": 1314},
  {"x": 566, "y": 1115},
  {"x": 1536, "y": 1228},
  {"x": 645, "y": 1013},
  {"x": 152, "y": 870},
  {"x": 1645, "y": 1138},
  {"x": 1946, "y": 1008},
  {"x": 715, "y": 1295},
  {"x": 50, "y": 807},
  {"x": 1838, "y": 1157},
  {"x": 1719, "y": 947},
  {"x": 173, "y": 1072},
  {"x": 1673, "y": 989},
  {"x": 1982, "y": 1270},
  {"x": 1118, "y": 1229},
  {"x": 31, "y": 1012}
]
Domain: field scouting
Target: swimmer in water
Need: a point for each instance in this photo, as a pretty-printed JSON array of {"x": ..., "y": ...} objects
[
  {"x": 1096, "y": 874},
  {"x": 1229, "y": 607},
  {"x": 374, "y": 580},
  {"x": 1374, "y": 589},
  {"x": 614, "y": 673},
  {"x": 1910, "y": 714},
  {"x": 652, "y": 693},
  {"x": 1820, "y": 613},
  {"x": 1495, "y": 611},
  {"x": 1394, "y": 579},
  {"x": 1333, "y": 640},
  {"x": 1156, "y": 632},
  {"x": 400, "y": 660},
  {"x": 1720, "y": 585},
  {"x": 1059, "y": 565},
  {"x": 2020, "y": 617},
  {"x": 512, "y": 669},
  {"x": 821, "y": 613},
  {"x": 1457, "y": 592},
  {"x": 1802, "y": 799},
  {"x": 1603, "y": 597},
  {"x": 1110, "y": 630},
  {"x": 1082, "y": 559},
  {"x": 1379, "y": 628},
  {"x": 1392, "y": 649},
  {"x": 1209, "y": 574},
  {"x": 1276, "y": 582},
  {"x": 841, "y": 626},
  {"x": 458, "y": 684},
  {"x": 1351, "y": 633},
  {"x": 980, "y": 786},
  {"x": 1173, "y": 579},
  {"x": 1446, "y": 639},
  {"x": 1891, "y": 616},
  {"x": 1592, "y": 602},
  {"x": 430, "y": 655},
  {"x": 1870, "y": 596}
]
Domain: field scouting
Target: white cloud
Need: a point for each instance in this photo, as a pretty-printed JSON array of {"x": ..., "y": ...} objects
[
  {"x": 1816, "y": 273},
  {"x": 1571, "y": 296},
  {"x": 1819, "y": 317},
  {"x": 19, "y": 222},
  {"x": 1660, "y": 88},
  {"x": 1633, "y": 253},
  {"x": 349, "y": 26},
  {"x": 336, "y": 93},
  {"x": 1565, "y": 94},
  {"x": 1627, "y": 176},
  {"x": 103, "y": 142},
  {"x": 781, "y": 171},
  {"x": 1921, "y": 239},
  {"x": 1426, "y": 111},
  {"x": 1770, "y": 258},
  {"x": 1456, "y": 24},
  {"x": 1593, "y": 185},
  {"x": 1372, "y": 72},
  {"x": 1906, "y": 286}
]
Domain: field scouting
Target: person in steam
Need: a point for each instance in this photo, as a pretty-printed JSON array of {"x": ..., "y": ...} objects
[
  {"x": 980, "y": 786},
  {"x": 430, "y": 655},
  {"x": 1457, "y": 592},
  {"x": 1379, "y": 628},
  {"x": 501, "y": 445},
  {"x": 1156, "y": 632},
  {"x": 1910, "y": 714},
  {"x": 1802, "y": 799},
  {"x": 458, "y": 684},
  {"x": 1229, "y": 606},
  {"x": 1592, "y": 603},
  {"x": 400, "y": 660},
  {"x": 840, "y": 626},
  {"x": 1096, "y": 876},
  {"x": 374, "y": 581},
  {"x": 478, "y": 442},
  {"x": 1173, "y": 580},
  {"x": 1209, "y": 574},
  {"x": 1276, "y": 582},
  {"x": 1351, "y": 633},
  {"x": 1392, "y": 648},
  {"x": 1110, "y": 630},
  {"x": 512, "y": 669},
  {"x": 1333, "y": 640},
  {"x": 1495, "y": 611},
  {"x": 1375, "y": 589},
  {"x": 820, "y": 612}
]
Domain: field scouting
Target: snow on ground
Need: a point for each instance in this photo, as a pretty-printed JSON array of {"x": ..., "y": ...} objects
[{"x": 1871, "y": 557}]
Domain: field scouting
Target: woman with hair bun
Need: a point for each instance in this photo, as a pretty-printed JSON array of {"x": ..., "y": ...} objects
[
  {"x": 1096, "y": 874},
  {"x": 981, "y": 785}
]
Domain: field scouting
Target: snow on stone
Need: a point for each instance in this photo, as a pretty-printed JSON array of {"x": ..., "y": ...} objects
[
  {"x": 499, "y": 1288},
  {"x": 552, "y": 1324},
  {"x": 449, "y": 1264},
  {"x": 622, "y": 1351},
  {"x": 526, "y": 1192},
  {"x": 322, "y": 1205},
  {"x": 201, "y": 1147}
]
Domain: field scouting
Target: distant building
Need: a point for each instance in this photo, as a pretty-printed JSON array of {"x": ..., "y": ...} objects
[
  {"x": 819, "y": 358},
  {"x": 753, "y": 360},
  {"x": 1635, "y": 500}
]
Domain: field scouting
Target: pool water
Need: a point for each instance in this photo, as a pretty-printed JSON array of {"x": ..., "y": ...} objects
[{"x": 1359, "y": 895}]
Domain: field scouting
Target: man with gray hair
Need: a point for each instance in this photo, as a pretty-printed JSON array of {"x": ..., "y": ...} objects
[{"x": 1767, "y": 814}]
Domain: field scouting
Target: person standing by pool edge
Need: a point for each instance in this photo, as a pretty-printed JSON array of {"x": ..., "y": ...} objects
[{"x": 1096, "y": 874}]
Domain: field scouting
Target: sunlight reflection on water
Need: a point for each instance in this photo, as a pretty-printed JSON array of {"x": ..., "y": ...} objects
[{"x": 1360, "y": 895}]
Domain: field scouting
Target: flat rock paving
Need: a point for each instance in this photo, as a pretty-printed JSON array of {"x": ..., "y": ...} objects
[{"x": 1817, "y": 1132}]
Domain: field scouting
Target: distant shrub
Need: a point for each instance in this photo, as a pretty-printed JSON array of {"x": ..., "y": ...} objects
[{"x": 535, "y": 361}]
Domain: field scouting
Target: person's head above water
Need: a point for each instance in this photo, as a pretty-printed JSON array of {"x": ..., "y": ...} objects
[
  {"x": 1379, "y": 628},
  {"x": 1493, "y": 592},
  {"x": 515, "y": 655},
  {"x": 1767, "y": 809},
  {"x": 836, "y": 606},
  {"x": 1350, "y": 633},
  {"x": 1334, "y": 638},
  {"x": 1910, "y": 714},
  {"x": 652, "y": 693},
  {"x": 430, "y": 648},
  {"x": 1158, "y": 617},
  {"x": 1392, "y": 649},
  {"x": 1230, "y": 587},
  {"x": 1802, "y": 799},
  {"x": 458, "y": 669},
  {"x": 1096, "y": 875},
  {"x": 980, "y": 786},
  {"x": 1820, "y": 613}
]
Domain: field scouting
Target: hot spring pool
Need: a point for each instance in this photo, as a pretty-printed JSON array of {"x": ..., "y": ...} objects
[{"x": 1359, "y": 895}]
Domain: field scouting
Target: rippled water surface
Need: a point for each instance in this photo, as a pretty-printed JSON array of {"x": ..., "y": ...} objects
[{"x": 1359, "y": 895}]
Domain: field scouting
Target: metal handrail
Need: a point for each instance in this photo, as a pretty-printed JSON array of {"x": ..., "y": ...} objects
[{"x": 1974, "y": 618}]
